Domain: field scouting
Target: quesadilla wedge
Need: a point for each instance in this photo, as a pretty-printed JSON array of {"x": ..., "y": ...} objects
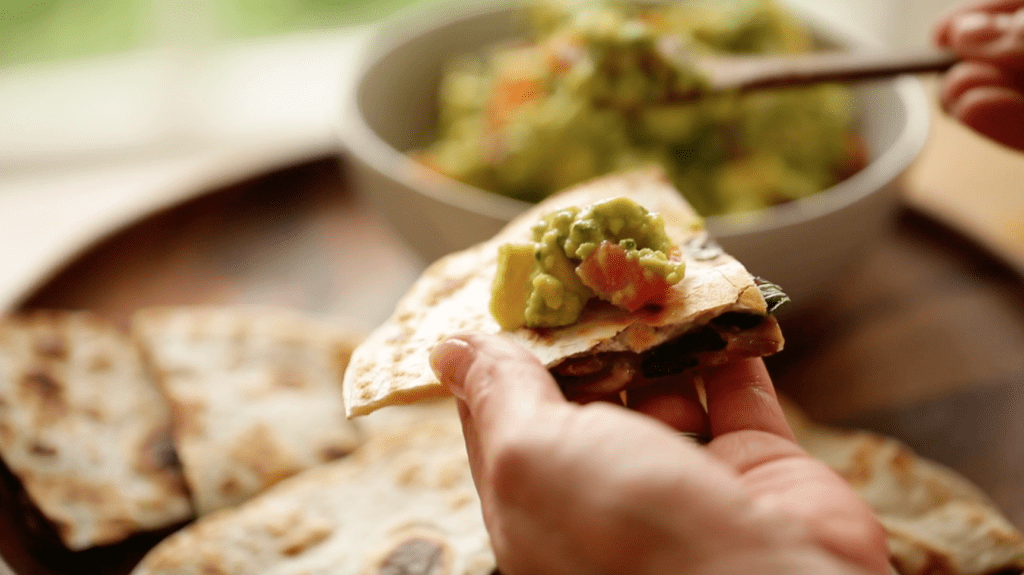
[
  {"x": 936, "y": 521},
  {"x": 402, "y": 503},
  {"x": 85, "y": 430},
  {"x": 716, "y": 313},
  {"x": 255, "y": 394}
]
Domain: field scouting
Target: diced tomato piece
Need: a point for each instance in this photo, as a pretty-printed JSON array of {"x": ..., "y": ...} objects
[
  {"x": 855, "y": 157},
  {"x": 617, "y": 278},
  {"x": 510, "y": 94}
]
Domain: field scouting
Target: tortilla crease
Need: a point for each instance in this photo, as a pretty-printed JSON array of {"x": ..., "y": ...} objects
[
  {"x": 85, "y": 430},
  {"x": 255, "y": 394},
  {"x": 936, "y": 521},
  {"x": 404, "y": 502},
  {"x": 453, "y": 296}
]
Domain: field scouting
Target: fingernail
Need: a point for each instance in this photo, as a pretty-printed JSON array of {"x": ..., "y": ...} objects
[
  {"x": 1016, "y": 24},
  {"x": 975, "y": 28},
  {"x": 450, "y": 360}
]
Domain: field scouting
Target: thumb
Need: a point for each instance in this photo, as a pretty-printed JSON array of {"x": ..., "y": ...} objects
[{"x": 499, "y": 383}]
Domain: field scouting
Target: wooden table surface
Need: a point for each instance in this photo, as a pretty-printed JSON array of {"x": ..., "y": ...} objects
[{"x": 925, "y": 342}]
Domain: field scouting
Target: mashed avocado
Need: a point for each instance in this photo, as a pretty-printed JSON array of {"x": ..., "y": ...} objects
[
  {"x": 614, "y": 249},
  {"x": 590, "y": 93}
]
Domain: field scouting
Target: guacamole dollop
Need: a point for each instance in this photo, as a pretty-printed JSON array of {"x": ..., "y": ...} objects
[
  {"x": 590, "y": 92},
  {"x": 615, "y": 249}
]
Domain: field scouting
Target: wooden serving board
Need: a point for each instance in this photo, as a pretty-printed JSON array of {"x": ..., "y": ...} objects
[{"x": 925, "y": 342}]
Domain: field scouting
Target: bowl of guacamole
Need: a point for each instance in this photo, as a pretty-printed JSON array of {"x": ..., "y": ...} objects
[{"x": 464, "y": 115}]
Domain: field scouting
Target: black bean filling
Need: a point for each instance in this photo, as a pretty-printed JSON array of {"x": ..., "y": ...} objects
[
  {"x": 671, "y": 357},
  {"x": 738, "y": 319},
  {"x": 679, "y": 354}
]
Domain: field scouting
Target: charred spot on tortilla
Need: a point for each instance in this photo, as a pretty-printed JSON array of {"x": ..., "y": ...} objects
[
  {"x": 417, "y": 556},
  {"x": 51, "y": 345},
  {"x": 158, "y": 451}
]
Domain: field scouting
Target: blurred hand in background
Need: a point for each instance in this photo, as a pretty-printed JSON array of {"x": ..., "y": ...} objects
[{"x": 986, "y": 90}]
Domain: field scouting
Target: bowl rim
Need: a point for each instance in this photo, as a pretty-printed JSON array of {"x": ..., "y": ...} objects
[{"x": 359, "y": 140}]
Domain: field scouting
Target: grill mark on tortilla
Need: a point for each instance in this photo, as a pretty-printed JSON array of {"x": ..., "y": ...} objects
[
  {"x": 403, "y": 335},
  {"x": 50, "y": 345},
  {"x": 288, "y": 377},
  {"x": 188, "y": 417},
  {"x": 42, "y": 450},
  {"x": 100, "y": 363},
  {"x": 93, "y": 413},
  {"x": 230, "y": 487},
  {"x": 332, "y": 452},
  {"x": 862, "y": 467},
  {"x": 260, "y": 450},
  {"x": 158, "y": 455},
  {"x": 903, "y": 464},
  {"x": 409, "y": 474},
  {"x": 7, "y": 434},
  {"x": 417, "y": 556},
  {"x": 304, "y": 537},
  {"x": 40, "y": 385},
  {"x": 448, "y": 287}
]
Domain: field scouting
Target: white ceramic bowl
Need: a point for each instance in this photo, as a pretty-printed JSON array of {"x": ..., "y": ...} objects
[{"x": 806, "y": 246}]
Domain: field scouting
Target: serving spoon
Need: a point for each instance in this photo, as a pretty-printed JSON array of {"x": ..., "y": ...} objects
[
  {"x": 743, "y": 73},
  {"x": 747, "y": 73}
]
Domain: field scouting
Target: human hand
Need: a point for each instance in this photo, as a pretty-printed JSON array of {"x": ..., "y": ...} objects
[
  {"x": 986, "y": 90},
  {"x": 600, "y": 489}
]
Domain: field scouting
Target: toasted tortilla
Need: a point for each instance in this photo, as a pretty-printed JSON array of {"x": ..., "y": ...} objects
[
  {"x": 255, "y": 395},
  {"x": 937, "y": 522},
  {"x": 85, "y": 430},
  {"x": 454, "y": 293},
  {"x": 404, "y": 502}
]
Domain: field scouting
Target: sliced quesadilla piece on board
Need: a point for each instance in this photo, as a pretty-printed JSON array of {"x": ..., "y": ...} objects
[
  {"x": 937, "y": 522},
  {"x": 403, "y": 503},
  {"x": 85, "y": 430},
  {"x": 255, "y": 394},
  {"x": 716, "y": 313}
]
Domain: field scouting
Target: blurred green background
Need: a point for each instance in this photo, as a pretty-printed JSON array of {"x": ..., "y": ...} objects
[{"x": 47, "y": 30}]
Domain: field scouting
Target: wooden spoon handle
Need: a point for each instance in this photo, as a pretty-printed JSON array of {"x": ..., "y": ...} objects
[{"x": 750, "y": 73}]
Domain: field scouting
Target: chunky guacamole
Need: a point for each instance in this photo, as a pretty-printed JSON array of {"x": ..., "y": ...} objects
[
  {"x": 615, "y": 250},
  {"x": 590, "y": 93}
]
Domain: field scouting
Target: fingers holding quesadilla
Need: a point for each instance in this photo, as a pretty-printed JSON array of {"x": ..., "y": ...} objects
[
  {"x": 675, "y": 401},
  {"x": 652, "y": 503},
  {"x": 741, "y": 396}
]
